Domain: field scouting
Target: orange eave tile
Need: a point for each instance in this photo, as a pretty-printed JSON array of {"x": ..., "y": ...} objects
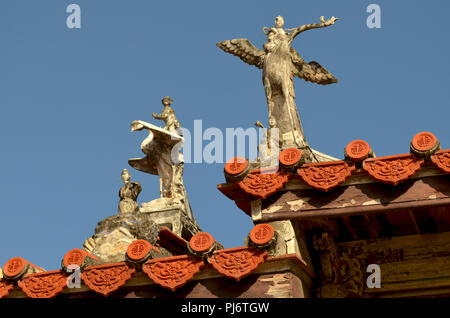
[
  {"x": 173, "y": 272},
  {"x": 325, "y": 176},
  {"x": 238, "y": 262},
  {"x": 107, "y": 278}
]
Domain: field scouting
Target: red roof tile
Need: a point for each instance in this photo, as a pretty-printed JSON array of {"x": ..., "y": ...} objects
[
  {"x": 173, "y": 272},
  {"x": 5, "y": 288},
  {"x": 172, "y": 242},
  {"x": 17, "y": 267},
  {"x": 201, "y": 242},
  {"x": 290, "y": 157},
  {"x": 262, "y": 185},
  {"x": 238, "y": 262},
  {"x": 442, "y": 160},
  {"x": 44, "y": 285},
  {"x": 325, "y": 176},
  {"x": 77, "y": 257},
  {"x": 262, "y": 234},
  {"x": 357, "y": 150},
  {"x": 107, "y": 278},
  {"x": 393, "y": 169},
  {"x": 139, "y": 250}
]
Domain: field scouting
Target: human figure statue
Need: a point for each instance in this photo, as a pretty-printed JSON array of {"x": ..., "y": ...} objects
[
  {"x": 128, "y": 194},
  {"x": 280, "y": 63},
  {"x": 168, "y": 116},
  {"x": 173, "y": 186}
]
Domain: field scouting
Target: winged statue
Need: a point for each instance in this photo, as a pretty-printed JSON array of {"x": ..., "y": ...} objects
[{"x": 280, "y": 63}]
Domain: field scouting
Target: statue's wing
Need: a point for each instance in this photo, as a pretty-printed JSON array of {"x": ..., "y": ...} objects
[
  {"x": 158, "y": 143},
  {"x": 147, "y": 164},
  {"x": 245, "y": 50},
  {"x": 312, "y": 71}
]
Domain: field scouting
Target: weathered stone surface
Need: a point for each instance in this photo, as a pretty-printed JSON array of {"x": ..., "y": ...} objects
[
  {"x": 280, "y": 285},
  {"x": 89, "y": 244},
  {"x": 111, "y": 246},
  {"x": 172, "y": 217},
  {"x": 159, "y": 204},
  {"x": 115, "y": 233},
  {"x": 140, "y": 225},
  {"x": 287, "y": 241}
]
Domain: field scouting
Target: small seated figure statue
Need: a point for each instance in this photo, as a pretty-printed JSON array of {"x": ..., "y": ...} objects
[{"x": 128, "y": 194}]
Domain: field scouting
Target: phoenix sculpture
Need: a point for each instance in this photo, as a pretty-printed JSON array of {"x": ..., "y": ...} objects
[{"x": 280, "y": 63}]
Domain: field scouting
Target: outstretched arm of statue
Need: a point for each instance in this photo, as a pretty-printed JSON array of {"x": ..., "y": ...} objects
[
  {"x": 325, "y": 23},
  {"x": 160, "y": 117}
]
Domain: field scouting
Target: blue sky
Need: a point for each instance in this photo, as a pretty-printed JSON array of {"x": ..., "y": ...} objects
[{"x": 68, "y": 97}]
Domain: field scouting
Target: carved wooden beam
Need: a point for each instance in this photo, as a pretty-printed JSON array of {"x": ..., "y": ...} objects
[{"x": 341, "y": 271}]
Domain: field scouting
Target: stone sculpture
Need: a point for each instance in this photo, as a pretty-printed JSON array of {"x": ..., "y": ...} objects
[
  {"x": 128, "y": 194},
  {"x": 113, "y": 234},
  {"x": 280, "y": 63},
  {"x": 164, "y": 159},
  {"x": 168, "y": 116}
]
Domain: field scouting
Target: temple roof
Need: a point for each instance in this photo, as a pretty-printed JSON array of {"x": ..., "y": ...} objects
[
  {"x": 362, "y": 196},
  {"x": 202, "y": 254}
]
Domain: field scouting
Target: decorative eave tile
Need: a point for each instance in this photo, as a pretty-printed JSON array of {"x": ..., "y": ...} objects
[
  {"x": 237, "y": 262},
  {"x": 442, "y": 160},
  {"x": 393, "y": 169},
  {"x": 107, "y": 278},
  {"x": 43, "y": 285},
  {"x": 17, "y": 267},
  {"x": 263, "y": 185},
  {"x": 325, "y": 175},
  {"x": 5, "y": 288},
  {"x": 80, "y": 258},
  {"x": 173, "y": 272}
]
